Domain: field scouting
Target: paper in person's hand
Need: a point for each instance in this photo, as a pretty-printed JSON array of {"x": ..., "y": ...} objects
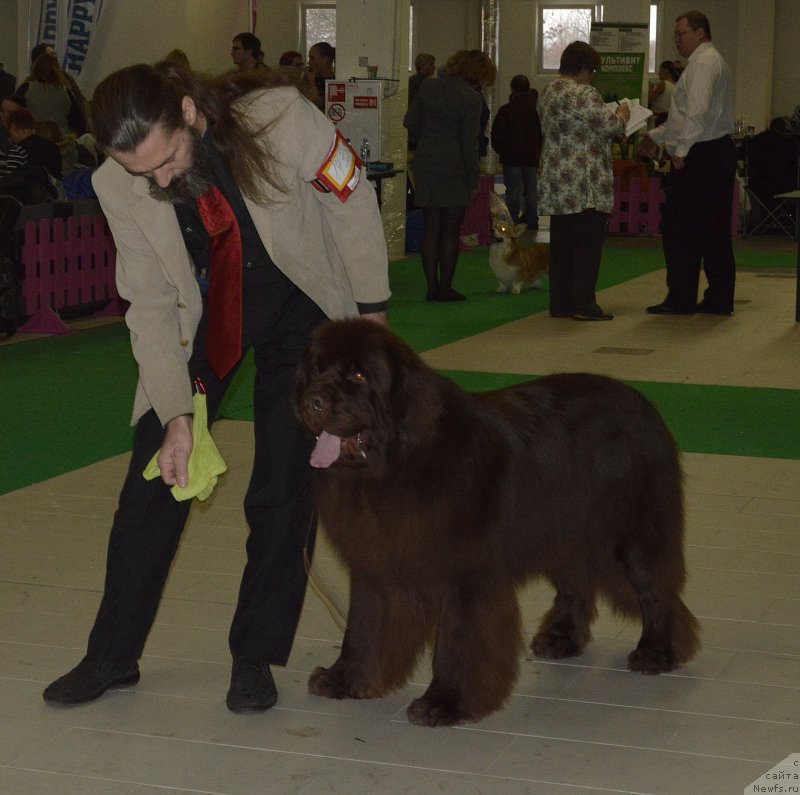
[{"x": 639, "y": 114}]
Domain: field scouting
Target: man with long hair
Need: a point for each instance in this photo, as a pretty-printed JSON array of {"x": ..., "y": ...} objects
[{"x": 229, "y": 201}]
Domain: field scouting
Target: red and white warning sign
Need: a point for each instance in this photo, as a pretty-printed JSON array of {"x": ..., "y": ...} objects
[
  {"x": 355, "y": 108},
  {"x": 336, "y": 112}
]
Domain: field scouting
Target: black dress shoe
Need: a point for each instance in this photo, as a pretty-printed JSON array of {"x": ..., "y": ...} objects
[
  {"x": 597, "y": 314},
  {"x": 557, "y": 313},
  {"x": 706, "y": 309},
  {"x": 252, "y": 687},
  {"x": 665, "y": 309},
  {"x": 88, "y": 680}
]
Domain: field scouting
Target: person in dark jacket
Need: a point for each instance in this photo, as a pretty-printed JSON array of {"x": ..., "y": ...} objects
[
  {"x": 517, "y": 139},
  {"x": 29, "y": 150},
  {"x": 445, "y": 118}
]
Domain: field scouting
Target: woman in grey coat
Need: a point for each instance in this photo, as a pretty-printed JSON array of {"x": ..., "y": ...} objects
[{"x": 445, "y": 120}]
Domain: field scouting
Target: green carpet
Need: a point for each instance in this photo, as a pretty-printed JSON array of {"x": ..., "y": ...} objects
[{"x": 67, "y": 400}]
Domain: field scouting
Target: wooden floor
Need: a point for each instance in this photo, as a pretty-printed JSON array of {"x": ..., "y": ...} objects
[{"x": 580, "y": 726}]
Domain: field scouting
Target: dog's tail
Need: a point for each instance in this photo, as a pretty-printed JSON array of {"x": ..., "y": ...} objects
[{"x": 499, "y": 210}]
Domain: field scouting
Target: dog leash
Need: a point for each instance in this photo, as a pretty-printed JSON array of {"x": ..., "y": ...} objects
[{"x": 335, "y": 611}]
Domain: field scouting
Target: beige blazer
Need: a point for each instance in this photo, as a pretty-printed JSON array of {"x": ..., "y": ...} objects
[{"x": 334, "y": 251}]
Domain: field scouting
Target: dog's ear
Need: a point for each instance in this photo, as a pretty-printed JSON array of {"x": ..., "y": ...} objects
[{"x": 416, "y": 398}]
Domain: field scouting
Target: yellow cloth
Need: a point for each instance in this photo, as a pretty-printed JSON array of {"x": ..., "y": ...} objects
[{"x": 205, "y": 462}]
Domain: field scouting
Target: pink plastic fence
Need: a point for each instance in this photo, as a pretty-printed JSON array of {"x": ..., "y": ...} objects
[
  {"x": 68, "y": 263},
  {"x": 638, "y": 211},
  {"x": 478, "y": 218}
]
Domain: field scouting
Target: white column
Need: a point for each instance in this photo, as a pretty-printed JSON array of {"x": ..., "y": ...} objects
[
  {"x": 754, "y": 52},
  {"x": 378, "y": 30}
]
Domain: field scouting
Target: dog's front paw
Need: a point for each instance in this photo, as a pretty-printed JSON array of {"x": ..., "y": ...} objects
[
  {"x": 329, "y": 683},
  {"x": 438, "y": 710},
  {"x": 652, "y": 661},
  {"x": 323, "y": 682},
  {"x": 554, "y": 646}
]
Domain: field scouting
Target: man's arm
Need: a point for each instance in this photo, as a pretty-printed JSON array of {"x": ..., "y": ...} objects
[{"x": 353, "y": 226}]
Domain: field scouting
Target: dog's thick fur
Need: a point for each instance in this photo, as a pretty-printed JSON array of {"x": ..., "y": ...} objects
[
  {"x": 516, "y": 267},
  {"x": 441, "y": 503}
]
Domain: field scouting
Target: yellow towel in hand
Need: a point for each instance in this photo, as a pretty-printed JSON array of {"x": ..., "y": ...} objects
[{"x": 205, "y": 462}]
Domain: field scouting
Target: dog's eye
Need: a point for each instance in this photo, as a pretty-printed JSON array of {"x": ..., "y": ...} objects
[{"x": 358, "y": 377}]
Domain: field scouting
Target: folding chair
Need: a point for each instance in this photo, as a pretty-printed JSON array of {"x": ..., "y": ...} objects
[{"x": 772, "y": 166}]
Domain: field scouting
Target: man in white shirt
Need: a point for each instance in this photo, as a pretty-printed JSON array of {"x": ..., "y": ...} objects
[{"x": 696, "y": 223}]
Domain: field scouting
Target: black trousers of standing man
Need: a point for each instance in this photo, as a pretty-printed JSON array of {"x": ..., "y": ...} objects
[
  {"x": 277, "y": 322},
  {"x": 696, "y": 227}
]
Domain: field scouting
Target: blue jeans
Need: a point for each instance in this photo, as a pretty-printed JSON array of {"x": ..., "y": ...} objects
[{"x": 520, "y": 182}]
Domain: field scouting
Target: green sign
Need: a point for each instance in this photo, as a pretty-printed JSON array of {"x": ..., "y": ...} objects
[
  {"x": 620, "y": 76},
  {"x": 623, "y": 49}
]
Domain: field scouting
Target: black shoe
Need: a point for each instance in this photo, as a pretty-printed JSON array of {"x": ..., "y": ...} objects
[
  {"x": 594, "y": 314},
  {"x": 88, "y": 680},
  {"x": 557, "y": 313},
  {"x": 665, "y": 309},
  {"x": 432, "y": 296},
  {"x": 706, "y": 309},
  {"x": 252, "y": 687}
]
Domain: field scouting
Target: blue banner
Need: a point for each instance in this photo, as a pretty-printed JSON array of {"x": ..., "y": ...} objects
[
  {"x": 82, "y": 16},
  {"x": 46, "y": 28}
]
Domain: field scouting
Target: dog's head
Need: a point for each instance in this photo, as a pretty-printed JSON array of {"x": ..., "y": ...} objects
[
  {"x": 508, "y": 230},
  {"x": 364, "y": 394}
]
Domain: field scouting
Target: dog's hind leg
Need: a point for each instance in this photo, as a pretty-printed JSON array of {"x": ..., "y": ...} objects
[
  {"x": 565, "y": 629},
  {"x": 386, "y": 633},
  {"x": 476, "y": 657},
  {"x": 669, "y": 630}
]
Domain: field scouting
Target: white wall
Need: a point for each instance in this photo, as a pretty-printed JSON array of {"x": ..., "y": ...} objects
[
  {"x": 137, "y": 31},
  {"x": 441, "y": 27},
  {"x": 785, "y": 63},
  {"x": 8, "y": 38}
]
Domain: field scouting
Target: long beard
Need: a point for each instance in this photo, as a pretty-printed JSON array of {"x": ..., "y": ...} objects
[{"x": 193, "y": 183}]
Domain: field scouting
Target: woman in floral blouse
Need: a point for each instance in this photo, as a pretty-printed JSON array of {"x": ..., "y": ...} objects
[{"x": 576, "y": 183}]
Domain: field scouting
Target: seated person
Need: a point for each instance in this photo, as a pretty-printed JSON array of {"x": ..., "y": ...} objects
[
  {"x": 29, "y": 150},
  {"x": 7, "y": 106}
]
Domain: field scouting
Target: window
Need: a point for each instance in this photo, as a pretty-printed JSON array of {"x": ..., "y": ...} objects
[
  {"x": 410, "y": 37},
  {"x": 651, "y": 60},
  {"x": 560, "y": 26},
  {"x": 319, "y": 24}
]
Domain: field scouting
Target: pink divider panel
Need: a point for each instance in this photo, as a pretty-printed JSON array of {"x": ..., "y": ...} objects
[
  {"x": 67, "y": 264},
  {"x": 638, "y": 211},
  {"x": 635, "y": 210},
  {"x": 478, "y": 218}
]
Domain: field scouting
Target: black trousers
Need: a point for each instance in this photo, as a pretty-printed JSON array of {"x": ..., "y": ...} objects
[
  {"x": 576, "y": 246},
  {"x": 696, "y": 227},
  {"x": 149, "y": 521}
]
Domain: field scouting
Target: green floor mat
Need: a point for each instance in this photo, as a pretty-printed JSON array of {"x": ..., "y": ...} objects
[{"x": 67, "y": 399}]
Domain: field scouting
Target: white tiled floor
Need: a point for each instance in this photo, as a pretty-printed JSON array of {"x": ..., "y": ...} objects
[{"x": 578, "y": 726}]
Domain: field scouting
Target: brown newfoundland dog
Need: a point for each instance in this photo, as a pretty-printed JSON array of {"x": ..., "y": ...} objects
[{"x": 442, "y": 503}]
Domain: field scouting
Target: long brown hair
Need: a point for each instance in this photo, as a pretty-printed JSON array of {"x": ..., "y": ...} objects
[
  {"x": 45, "y": 69},
  {"x": 129, "y": 103}
]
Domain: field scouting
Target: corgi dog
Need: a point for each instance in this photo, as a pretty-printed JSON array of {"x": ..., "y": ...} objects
[{"x": 515, "y": 266}]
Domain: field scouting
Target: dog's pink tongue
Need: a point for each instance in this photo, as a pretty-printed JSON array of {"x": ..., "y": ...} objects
[{"x": 326, "y": 450}]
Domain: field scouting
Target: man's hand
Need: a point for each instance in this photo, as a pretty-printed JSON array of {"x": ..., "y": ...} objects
[
  {"x": 678, "y": 162},
  {"x": 624, "y": 112},
  {"x": 648, "y": 148},
  {"x": 173, "y": 460}
]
